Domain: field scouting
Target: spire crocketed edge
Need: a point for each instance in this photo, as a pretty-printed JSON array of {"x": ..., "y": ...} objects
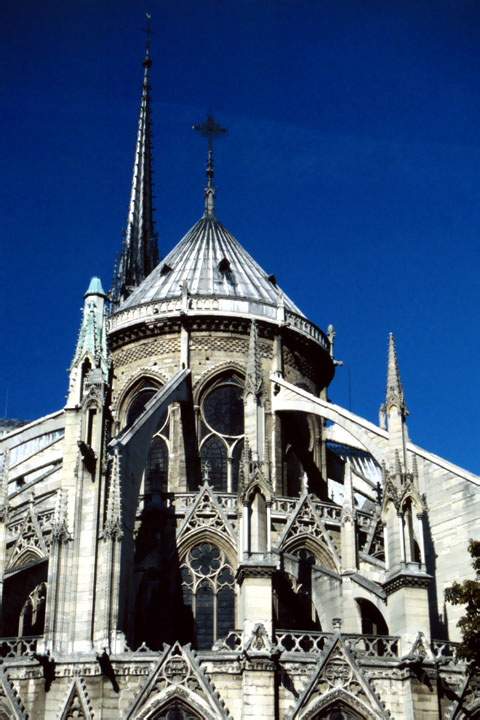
[{"x": 139, "y": 254}]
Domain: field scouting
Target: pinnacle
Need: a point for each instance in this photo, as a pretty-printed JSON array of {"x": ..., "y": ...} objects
[
  {"x": 95, "y": 287},
  {"x": 395, "y": 394}
]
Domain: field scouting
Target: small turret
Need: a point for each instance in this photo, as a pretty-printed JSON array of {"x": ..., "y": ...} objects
[{"x": 91, "y": 351}]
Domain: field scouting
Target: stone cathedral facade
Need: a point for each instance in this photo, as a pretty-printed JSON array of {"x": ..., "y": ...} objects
[{"x": 201, "y": 532}]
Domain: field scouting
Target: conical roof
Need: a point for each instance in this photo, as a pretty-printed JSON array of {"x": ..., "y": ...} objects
[{"x": 209, "y": 261}]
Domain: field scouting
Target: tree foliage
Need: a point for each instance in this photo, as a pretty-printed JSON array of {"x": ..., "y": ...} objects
[{"x": 467, "y": 593}]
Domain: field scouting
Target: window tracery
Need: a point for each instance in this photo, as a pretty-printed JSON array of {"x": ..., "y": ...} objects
[
  {"x": 177, "y": 710},
  {"x": 156, "y": 471},
  {"x": 143, "y": 391},
  {"x": 221, "y": 432},
  {"x": 208, "y": 591}
]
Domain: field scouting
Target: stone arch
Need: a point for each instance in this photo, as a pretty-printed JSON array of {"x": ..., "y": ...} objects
[
  {"x": 20, "y": 594},
  {"x": 152, "y": 710},
  {"x": 207, "y": 377},
  {"x": 287, "y": 397},
  {"x": 121, "y": 400},
  {"x": 208, "y": 535},
  {"x": 340, "y": 698},
  {"x": 29, "y": 555},
  {"x": 319, "y": 550}
]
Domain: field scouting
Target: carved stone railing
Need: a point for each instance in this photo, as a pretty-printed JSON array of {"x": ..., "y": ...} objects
[
  {"x": 316, "y": 642},
  {"x": 231, "y": 642},
  {"x": 18, "y": 646},
  {"x": 207, "y": 305},
  {"x": 294, "y": 641},
  {"x": 305, "y": 327},
  {"x": 330, "y": 513},
  {"x": 374, "y": 645},
  {"x": 445, "y": 651},
  {"x": 182, "y": 502}
]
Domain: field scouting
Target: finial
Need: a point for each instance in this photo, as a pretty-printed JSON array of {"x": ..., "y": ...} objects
[
  {"x": 395, "y": 394},
  {"x": 147, "y": 63},
  {"x": 210, "y": 129}
]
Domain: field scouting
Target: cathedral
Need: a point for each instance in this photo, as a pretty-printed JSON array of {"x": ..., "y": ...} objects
[{"x": 201, "y": 532}]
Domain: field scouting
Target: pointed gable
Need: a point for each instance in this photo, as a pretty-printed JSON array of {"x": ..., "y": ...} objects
[
  {"x": 206, "y": 514},
  {"x": 178, "y": 675},
  {"x": 30, "y": 544},
  {"x": 77, "y": 703},
  {"x": 306, "y": 522},
  {"x": 10, "y": 700},
  {"x": 339, "y": 679}
]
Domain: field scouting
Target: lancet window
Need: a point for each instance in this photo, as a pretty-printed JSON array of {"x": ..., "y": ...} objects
[
  {"x": 300, "y": 455},
  {"x": 208, "y": 592},
  {"x": 221, "y": 432},
  {"x": 156, "y": 471}
]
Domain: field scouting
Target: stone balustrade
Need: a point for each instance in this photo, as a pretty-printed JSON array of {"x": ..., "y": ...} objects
[
  {"x": 17, "y": 646},
  {"x": 208, "y": 305},
  {"x": 445, "y": 651}
]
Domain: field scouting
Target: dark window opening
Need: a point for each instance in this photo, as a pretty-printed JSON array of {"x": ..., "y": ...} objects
[
  {"x": 223, "y": 409},
  {"x": 156, "y": 476},
  {"x": 214, "y": 463}
]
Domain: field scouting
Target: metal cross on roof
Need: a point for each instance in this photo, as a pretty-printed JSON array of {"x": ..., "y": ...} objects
[{"x": 210, "y": 129}]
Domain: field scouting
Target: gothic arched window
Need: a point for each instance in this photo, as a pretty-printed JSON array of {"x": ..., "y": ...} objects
[
  {"x": 142, "y": 393},
  {"x": 156, "y": 471},
  {"x": 293, "y": 594},
  {"x": 339, "y": 711},
  {"x": 208, "y": 591},
  {"x": 221, "y": 432},
  {"x": 177, "y": 710},
  {"x": 156, "y": 480}
]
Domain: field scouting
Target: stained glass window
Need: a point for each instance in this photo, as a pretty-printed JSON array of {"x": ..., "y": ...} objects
[
  {"x": 221, "y": 430},
  {"x": 208, "y": 589},
  {"x": 214, "y": 462},
  {"x": 223, "y": 409}
]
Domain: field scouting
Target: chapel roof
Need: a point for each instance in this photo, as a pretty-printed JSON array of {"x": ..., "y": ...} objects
[{"x": 209, "y": 261}]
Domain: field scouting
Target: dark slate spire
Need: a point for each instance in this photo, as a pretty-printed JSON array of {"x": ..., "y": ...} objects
[{"x": 139, "y": 253}]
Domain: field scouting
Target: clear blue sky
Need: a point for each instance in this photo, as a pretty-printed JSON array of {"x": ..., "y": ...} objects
[{"x": 351, "y": 172}]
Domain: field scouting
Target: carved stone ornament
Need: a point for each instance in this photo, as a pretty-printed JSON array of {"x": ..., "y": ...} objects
[
  {"x": 178, "y": 674},
  {"x": 259, "y": 643},
  {"x": 339, "y": 678}
]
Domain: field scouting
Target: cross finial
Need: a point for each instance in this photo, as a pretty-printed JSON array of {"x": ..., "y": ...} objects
[
  {"x": 148, "y": 41},
  {"x": 210, "y": 129}
]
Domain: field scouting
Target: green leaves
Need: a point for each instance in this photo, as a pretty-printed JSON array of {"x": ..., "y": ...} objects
[{"x": 467, "y": 593}]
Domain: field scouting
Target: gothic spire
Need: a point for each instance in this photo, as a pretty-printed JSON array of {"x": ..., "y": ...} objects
[
  {"x": 395, "y": 395},
  {"x": 210, "y": 129},
  {"x": 139, "y": 254}
]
